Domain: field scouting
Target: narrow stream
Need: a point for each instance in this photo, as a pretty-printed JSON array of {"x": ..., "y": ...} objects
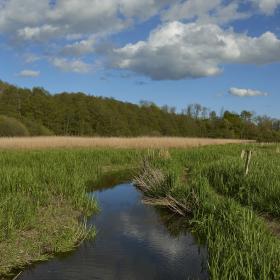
[{"x": 134, "y": 241}]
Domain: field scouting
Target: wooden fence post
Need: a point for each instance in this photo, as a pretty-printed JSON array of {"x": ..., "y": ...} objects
[{"x": 248, "y": 160}]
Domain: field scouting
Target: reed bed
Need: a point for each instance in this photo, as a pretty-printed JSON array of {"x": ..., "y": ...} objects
[{"x": 110, "y": 142}]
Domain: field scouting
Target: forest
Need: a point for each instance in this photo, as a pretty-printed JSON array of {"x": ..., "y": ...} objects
[{"x": 36, "y": 112}]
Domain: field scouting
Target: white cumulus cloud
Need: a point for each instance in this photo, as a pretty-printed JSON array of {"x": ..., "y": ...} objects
[
  {"x": 73, "y": 65},
  {"x": 268, "y": 7},
  {"x": 38, "y": 33},
  {"x": 242, "y": 92},
  {"x": 191, "y": 42},
  {"x": 79, "y": 48},
  {"x": 35, "y": 19},
  {"x": 176, "y": 51},
  {"x": 29, "y": 73},
  {"x": 205, "y": 11}
]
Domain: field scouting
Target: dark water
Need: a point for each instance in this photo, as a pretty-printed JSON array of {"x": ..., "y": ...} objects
[{"x": 134, "y": 241}]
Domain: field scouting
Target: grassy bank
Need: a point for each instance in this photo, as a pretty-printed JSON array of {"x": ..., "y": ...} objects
[
  {"x": 224, "y": 207},
  {"x": 43, "y": 195}
]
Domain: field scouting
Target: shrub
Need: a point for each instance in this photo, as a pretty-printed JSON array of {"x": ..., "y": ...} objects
[
  {"x": 10, "y": 127},
  {"x": 37, "y": 129}
]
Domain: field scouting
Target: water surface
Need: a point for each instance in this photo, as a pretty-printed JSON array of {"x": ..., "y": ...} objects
[{"x": 134, "y": 241}]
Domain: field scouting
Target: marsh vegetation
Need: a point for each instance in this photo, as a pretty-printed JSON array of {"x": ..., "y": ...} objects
[
  {"x": 110, "y": 142},
  {"x": 227, "y": 209},
  {"x": 236, "y": 216}
]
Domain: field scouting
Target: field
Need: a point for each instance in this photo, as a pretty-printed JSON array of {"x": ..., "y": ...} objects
[
  {"x": 44, "y": 193},
  {"x": 110, "y": 142}
]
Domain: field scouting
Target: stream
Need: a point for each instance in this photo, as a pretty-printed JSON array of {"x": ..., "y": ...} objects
[{"x": 134, "y": 241}]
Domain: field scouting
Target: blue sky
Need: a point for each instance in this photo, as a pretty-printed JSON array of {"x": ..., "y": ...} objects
[{"x": 221, "y": 54}]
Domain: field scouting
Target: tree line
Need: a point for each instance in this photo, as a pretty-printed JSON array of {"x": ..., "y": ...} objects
[{"x": 37, "y": 112}]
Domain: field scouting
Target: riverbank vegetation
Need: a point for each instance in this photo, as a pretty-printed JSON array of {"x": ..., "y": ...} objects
[
  {"x": 78, "y": 114},
  {"x": 227, "y": 210},
  {"x": 44, "y": 195}
]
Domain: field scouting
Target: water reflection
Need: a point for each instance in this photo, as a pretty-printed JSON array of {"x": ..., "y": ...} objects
[{"x": 132, "y": 243}]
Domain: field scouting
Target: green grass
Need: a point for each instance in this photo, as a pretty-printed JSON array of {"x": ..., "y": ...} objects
[
  {"x": 44, "y": 193},
  {"x": 42, "y": 196},
  {"x": 259, "y": 189},
  {"x": 225, "y": 205}
]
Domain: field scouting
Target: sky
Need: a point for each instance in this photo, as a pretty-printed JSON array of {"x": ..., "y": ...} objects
[{"x": 219, "y": 53}]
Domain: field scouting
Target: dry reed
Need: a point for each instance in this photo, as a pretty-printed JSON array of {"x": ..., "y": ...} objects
[
  {"x": 110, "y": 142},
  {"x": 150, "y": 181}
]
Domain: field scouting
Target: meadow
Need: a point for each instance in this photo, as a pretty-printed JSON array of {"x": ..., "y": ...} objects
[{"x": 44, "y": 200}]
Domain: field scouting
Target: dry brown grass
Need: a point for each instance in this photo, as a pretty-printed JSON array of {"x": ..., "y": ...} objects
[{"x": 109, "y": 142}]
